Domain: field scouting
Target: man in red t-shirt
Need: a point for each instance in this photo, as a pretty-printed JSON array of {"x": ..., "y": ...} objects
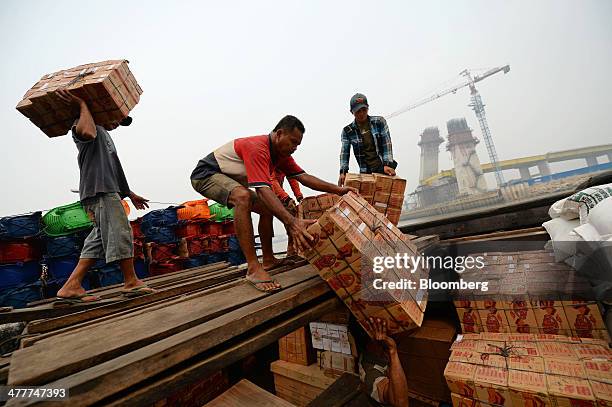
[{"x": 226, "y": 174}]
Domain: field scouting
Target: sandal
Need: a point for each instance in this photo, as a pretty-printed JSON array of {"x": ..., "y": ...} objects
[
  {"x": 263, "y": 290},
  {"x": 283, "y": 262},
  {"x": 78, "y": 299},
  {"x": 138, "y": 291}
]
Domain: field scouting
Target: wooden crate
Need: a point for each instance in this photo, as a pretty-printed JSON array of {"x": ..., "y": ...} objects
[
  {"x": 297, "y": 347},
  {"x": 299, "y": 384}
]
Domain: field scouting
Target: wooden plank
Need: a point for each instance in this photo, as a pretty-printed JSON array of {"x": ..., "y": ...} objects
[
  {"x": 508, "y": 234},
  {"x": 153, "y": 281},
  {"x": 312, "y": 374},
  {"x": 154, "y": 391},
  {"x": 82, "y": 316},
  {"x": 132, "y": 311},
  {"x": 114, "y": 376},
  {"x": 76, "y": 351},
  {"x": 425, "y": 242},
  {"x": 28, "y": 341},
  {"x": 245, "y": 393},
  {"x": 343, "y": 390}
]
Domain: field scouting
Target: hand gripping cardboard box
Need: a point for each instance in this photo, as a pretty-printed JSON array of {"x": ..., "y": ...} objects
[
  {"x": 108, "y": 87},
  {"x": 312, "y": 207},
  {"x": 349, "y": 237},
  {"x": 528, "y": 369}
]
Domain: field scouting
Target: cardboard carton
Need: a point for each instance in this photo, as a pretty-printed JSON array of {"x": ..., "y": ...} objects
[
  {"x": 297, "y": 347},
  {"x": 335, "y": 364},
  {"x": 384, "y": 193},
  {"x": 109, "y": 89},
  {"x": 348, "y": 237}
]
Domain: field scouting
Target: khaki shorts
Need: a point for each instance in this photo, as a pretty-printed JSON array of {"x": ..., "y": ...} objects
[
  {"x": 217, "y": 187},
  {"x": 111, "y": 236}
]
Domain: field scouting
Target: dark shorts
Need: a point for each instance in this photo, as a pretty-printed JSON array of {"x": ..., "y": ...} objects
[
  {"x": 111, "y": 236},
  {"x": 217, "y": 187}
]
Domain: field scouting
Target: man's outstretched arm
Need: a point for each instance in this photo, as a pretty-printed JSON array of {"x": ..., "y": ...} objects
[{"x": 318, "y": 184}]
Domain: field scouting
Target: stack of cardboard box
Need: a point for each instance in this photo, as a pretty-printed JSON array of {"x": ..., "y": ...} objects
[
  {"x": 385, "y": 193},
  {"x": 312, "y": 207},
  {"x": 108, "y": 87},
  {"x": 336, "y": 348},
  {"x": 424, "y": 354},
  {"x": 297, "y": 347},
  {"x": 529, "y": 370},
  {"x": 348, "y": 238},
  {"x": 528, "y": 293}
]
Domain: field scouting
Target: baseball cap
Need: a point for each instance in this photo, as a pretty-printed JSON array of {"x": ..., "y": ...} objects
[
  {"x": 358, "y": 101},
  {"x": 126, "y": 121}
]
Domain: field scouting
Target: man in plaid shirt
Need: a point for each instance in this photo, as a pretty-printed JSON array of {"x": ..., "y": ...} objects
[{"x": 369, "y": 136}]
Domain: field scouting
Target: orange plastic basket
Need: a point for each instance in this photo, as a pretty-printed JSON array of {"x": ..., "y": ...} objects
[{"x": 194, "y": 210}]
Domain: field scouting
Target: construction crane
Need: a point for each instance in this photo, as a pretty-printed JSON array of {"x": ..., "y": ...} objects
[{"x": 477, "y": 106}]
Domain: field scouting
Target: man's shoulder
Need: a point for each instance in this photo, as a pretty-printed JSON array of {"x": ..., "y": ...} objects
[
  {"x": 251, "y": 143},
  {"x": 377, "y": 119}
]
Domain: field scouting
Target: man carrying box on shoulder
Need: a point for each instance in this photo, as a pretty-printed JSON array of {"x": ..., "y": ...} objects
[
  {"x": 226, "y": 174},
  {"x": 102, "y": 186},
  {"x": 369, "y": 136}
]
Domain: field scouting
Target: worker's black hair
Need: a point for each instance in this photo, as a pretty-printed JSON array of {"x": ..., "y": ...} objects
[{"x": 289, "y": 123}]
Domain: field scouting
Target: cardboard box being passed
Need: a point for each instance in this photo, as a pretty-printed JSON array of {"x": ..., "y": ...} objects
[
  {"x": 348, "y": 237},
  {"x": 384, "y": 192},
  {"x": 109, "y": 89}
]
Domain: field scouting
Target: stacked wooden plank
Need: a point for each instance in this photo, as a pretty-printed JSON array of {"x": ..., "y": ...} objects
[
  {"x": 109, "y": 89},
  {"x": 174, "y": 338}
]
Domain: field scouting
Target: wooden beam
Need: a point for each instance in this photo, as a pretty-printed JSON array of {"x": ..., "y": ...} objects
[
  {"x": 111, "y": 377},
  {"x": 73, "y": 352},
  {"x": 508, "y": 234},
  {"x": 126, "y": 304}
]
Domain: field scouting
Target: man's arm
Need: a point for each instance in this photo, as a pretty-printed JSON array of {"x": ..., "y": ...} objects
[
  {"x": 295, "y": 227},
  {"x": 295, "y": 187},
  {"x": 318, "y": 184},
  {"x": 86, "y": 127},
  {"x": 393, "y": 391},
  {"x": 345, "y": 152},
  {"x": 387, "y": 149}
]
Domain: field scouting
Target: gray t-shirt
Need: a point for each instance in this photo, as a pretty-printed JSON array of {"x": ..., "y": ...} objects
[{"x": 100, "y": 167}]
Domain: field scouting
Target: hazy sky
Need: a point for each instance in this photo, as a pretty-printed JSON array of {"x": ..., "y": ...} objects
[{"x": 213, "y": 71}]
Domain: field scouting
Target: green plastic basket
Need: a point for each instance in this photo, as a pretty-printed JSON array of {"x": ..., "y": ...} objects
[
  {"x": 220, "y": 213},
  {"x": 66, "y": 219}
]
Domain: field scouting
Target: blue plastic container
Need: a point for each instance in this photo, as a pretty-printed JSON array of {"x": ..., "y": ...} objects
[
  {"x": 15, "y": 227},
  {"x": 217, "y": 257},
  {"x": 196, "y": 261},
  {"x": 160, "y": 217},
  {"x": 235, "y": 256},
  {"x": 140, "y": 266},
  {"x": 13, "y": 275},
  {"x": 19, "y": 297},
  {"x": 60, "y": 268},
  {"x": 110, "y": 274},
  {"x": 64, "y": 246},
  {"x": 160, "y": 234}
]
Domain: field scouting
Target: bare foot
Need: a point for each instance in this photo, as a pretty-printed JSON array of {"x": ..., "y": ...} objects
[
  {"x": 134, "y": 284},
  {"x": 274, "y": 263},
  {"x": 68, "y": 291},
  {"x": 259, "y": 274}
]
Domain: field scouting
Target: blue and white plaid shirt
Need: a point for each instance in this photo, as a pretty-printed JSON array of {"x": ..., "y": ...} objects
[{"x": 351, "y": 136}]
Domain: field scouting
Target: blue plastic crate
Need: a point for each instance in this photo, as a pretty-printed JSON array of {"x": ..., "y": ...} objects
[
  {"x": 160, "y": 217},
  {"x": 217, "y": 257},
  {"x": 235, "y": 256},
  {"x": 110, "y": 274},
  {"x": 161, "y": 234},
  {"x": 141, "y": 268},
  {"x": 13, "y": 275},
  {"x": 15, "y": 227},
  {"x": 196, "y": 261},
  {"x": 64, "y": 246},
  {"x": 60, "y": 268},
  {"x": 20, "y": 296}
]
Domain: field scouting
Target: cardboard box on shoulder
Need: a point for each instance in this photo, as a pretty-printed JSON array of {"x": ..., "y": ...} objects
[
  {"x": 108, "y": 87},
  {"x": 348, "y": 237}
]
